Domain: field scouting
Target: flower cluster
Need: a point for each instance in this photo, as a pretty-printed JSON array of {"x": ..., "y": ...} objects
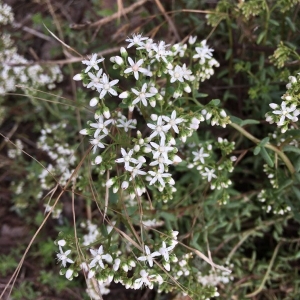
[
  {"x": 13, "y": 70},
  {"x": 138, "y": 143},
  {"x": 288, "y": 111}
]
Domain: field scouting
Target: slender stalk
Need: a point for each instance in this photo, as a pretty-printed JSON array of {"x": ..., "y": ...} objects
[{"x": 268, "y": 145}]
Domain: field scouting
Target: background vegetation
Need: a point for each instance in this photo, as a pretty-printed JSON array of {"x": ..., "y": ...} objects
[{"x": 253, "y": 226}]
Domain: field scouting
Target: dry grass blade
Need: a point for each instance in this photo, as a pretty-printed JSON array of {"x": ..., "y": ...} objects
[
  {"x": 169, "y": 20},
  {"x": 16, "y": 272},
  {"x": 113, "y": 16}
]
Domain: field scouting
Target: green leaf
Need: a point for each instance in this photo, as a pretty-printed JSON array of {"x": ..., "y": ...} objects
[
  {"x": 289, "y": 148},
  {"x": 256, "y": 150},
  {"x": 215, "y": 102},
  {"x": 266, "y": 157},
  {"x": 168, "y": 216},
  {"x": 228, "y": 54},
  {"x": 236, "y": 120},
  {"x": 290, "y": 23},
  {"x": 264, "y": 141},
  {"x": 201, "y": 95},
  {"x": 260, "y": 37},
  {"x": 249, "y": 121}
]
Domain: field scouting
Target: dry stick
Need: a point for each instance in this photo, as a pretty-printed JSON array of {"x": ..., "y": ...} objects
[
  {"x": 16, "y": 272},
  {"x": 169, "y": 20}
]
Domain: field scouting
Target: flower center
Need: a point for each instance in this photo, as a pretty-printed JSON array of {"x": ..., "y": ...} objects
[
  {"x": 135, "y": 68},
  {"x": 106, "y": 86}
]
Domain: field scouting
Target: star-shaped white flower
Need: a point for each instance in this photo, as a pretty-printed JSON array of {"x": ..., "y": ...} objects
[
  {"x": 176, "y": 74},
  {"x": 106, "y": 86},
  {"x": 159, "y": 129},
  {"x": 158, "y": 176},
  {"x": 135, "y": 67},
  {"x": 142, "y": 95},
  {"x": 96, "y": 142},
  {"x": 203, "y": 52},
  {"x": 127, "y": 158},
  {"x": 92, "y": 63},
  {"x": 209, "y": 174},
  {"x": 161, "y": 150},
  {"x": 285, "y": 112},
  {"x": 63, "y": 257},
  {"x": 95, "y": 79},
  {"x": 100, "y": 126},
  {"x": 200, "y": 155},
  {"x": 161, "y": 52},
  {"x": 126, "y": 124},
  {"x": 164, "y": 250},
  {"x": 137, "y": 39},
  {"x": 173, "y": 121},
  {"x": 145, "y": 279},
  {"x": 149, "y": 256},
  {"x": 98, "y": 257}
]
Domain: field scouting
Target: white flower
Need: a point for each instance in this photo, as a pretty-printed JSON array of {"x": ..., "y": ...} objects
[
  {"x": 176, "y": 74},
  {"x": 95, "y": 79},
  {"x": 173, "y": 121},
  {"x": 142, "y": 95},
  {"x": 209, "y": 174},
  {"x": 92, "y": 63},
  {"x": 149, "y": 256},
  {"x": 63, "y": 257},
  {"x": 106, "y": 86},
  {"x": 126, "y": 124},
  {"x": 158, "y": 176},
  {"x": 164, "y": 251},
  {"x": 96, "y": 142},
  {"x": 145, "y": 279},
  {"x": 285, "y": 112},
  {"x": 137, "y": 39},
  {"x": 100, "y": 126},
  {"x": 135, "y": 171},
  {"x": 161, "y": 149},
  {"x": 127, "y": 158},
  {"x": 203, "y": 52},
  {"x": 98, "y": 257},
  {"x": 200, "y": 155},
  {"x": 160, "y": 51},
  {"x": 158, "y": 129},
  {"x": 148, "y": 45},
  {"x": 135, "y": 68},
  {"x": 161, "y": 162}
]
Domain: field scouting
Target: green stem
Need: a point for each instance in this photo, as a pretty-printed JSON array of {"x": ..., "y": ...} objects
[{"x": 268, "y": 145}]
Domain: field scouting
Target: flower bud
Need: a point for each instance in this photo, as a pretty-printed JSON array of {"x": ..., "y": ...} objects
[
  {"x": 78, "y": 77},
  {"x": 94, "y": 102},
  {"x": 84, "y": 132},
  {"x": 125, "y": 185},
  {"x": 124, "y": 95},
  {"x": 98, "y": 160},
  {"x": 223, "y": 113},
  {"x": 136, "y": 148},
  {"x": 154, "y": 117},
  {"x": 119, "y": 60},
  {"x": 192, "y": 40},
  {"x": 123, "y": 52},
  {"x": 106, "y": 112}
]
